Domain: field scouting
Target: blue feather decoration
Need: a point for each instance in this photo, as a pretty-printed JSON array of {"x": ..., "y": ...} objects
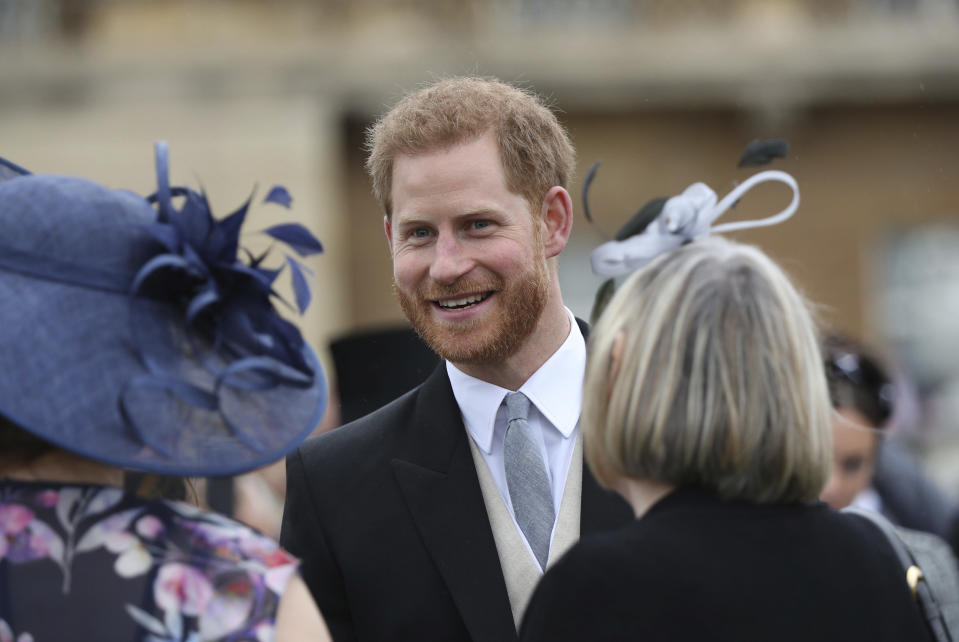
[
  {"x": 297, "y": 237},
  {"x": 280, "y": 196}
]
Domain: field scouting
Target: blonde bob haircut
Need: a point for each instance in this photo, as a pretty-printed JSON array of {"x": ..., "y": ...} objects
[
  {"x": 719, "y": 385},
  {"x": 534, "y": 147}
]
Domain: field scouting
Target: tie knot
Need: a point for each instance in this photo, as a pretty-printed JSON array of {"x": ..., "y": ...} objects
[{"x": 517, "y": 406}]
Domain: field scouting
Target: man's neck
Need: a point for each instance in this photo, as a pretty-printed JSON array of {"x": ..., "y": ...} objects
[{"x": 550, "y": 333}]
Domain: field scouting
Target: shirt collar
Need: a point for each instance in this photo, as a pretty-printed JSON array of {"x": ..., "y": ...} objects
[{"x": 556, "y": 389}]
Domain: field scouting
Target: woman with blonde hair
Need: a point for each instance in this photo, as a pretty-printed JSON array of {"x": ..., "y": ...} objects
[{"x": 706, "y": 407}]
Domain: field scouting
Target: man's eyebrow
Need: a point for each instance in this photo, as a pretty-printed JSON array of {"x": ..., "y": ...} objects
[
  {"x": 409, "y": 219},
  {"x": 480, "y": 211},
  {"x": 415, "y": 219}
]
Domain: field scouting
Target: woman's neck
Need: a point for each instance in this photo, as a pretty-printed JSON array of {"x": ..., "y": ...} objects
[
  {"x": 642, "y": 493},
  {"x": 63, "y": 467}
]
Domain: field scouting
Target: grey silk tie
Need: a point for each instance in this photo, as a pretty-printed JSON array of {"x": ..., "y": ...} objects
[{"x": 527, "y": 480}]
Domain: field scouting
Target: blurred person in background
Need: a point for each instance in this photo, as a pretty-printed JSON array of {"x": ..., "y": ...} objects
[
  {"x": 706, "y": 406},
  {"x": 869, "y": 470},
  {"x": 434, "y": 517},
  {"x": 138, "y": 349}
]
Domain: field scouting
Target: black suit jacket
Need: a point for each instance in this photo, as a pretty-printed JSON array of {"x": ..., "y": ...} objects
[
  {"x": 696, "y": 568},
  {"x": 388, "y": 518}
]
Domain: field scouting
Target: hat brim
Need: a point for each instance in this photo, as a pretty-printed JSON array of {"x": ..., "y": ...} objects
[{"x": 71, "y": 359}]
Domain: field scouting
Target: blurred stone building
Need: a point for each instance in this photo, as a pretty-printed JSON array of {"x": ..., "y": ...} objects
[{"x": 664, "y": 92}]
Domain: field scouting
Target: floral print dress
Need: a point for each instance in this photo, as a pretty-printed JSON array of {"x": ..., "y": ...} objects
[{"x": 93, "y": 564}]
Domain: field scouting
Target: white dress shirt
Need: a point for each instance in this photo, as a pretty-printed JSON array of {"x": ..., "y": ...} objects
[
  {"x": 868, "y": 499},
  {"x": 555, "y": 392}
]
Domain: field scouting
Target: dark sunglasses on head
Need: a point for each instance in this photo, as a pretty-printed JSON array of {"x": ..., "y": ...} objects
[{"x": 865, "y": 376}]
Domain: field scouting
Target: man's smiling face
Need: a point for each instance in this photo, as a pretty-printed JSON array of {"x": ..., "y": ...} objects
[{"x": 469, "y": 266}]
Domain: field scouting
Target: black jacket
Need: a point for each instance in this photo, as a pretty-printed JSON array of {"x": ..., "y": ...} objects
[
  {"x": 388, "y": 517},
  {"x": 695, "y": 568}
]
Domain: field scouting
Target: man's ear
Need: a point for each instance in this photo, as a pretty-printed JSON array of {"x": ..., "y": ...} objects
[
  {"x": 389, "y": 233},
  {"x": 557, "y": 220}
]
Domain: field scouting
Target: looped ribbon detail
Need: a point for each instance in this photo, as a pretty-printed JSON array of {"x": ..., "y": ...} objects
[{"x": 685, "y": 218}]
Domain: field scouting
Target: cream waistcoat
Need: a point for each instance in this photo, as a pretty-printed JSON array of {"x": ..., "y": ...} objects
[{"x": 520, "y": 569}]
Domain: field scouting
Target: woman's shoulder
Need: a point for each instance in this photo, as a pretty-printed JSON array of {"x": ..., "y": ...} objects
[
  {"x": 697, "y": 534},
  {"x": 216, "y": 535},
  {"x": 813, "y": 568},
  {"x": 604, "y": 559},
  {"x": 161, "y": 566}
]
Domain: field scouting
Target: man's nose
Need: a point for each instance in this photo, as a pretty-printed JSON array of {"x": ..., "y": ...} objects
[{"x": 450, "y": 260}]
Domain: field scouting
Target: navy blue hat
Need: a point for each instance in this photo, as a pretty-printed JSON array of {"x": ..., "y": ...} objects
[{"x": 142, "y": 335}]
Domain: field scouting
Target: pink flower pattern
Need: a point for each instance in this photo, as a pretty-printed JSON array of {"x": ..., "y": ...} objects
[
  {"x": 183, "y": 588},
  {"x": 211, "y": 577},
  {"x": 22, "y": 537}
]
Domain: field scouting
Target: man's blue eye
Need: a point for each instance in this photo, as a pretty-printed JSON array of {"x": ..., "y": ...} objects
[
  {"x": 421, "y": 233},
  {"x": 480, "y": 224}
]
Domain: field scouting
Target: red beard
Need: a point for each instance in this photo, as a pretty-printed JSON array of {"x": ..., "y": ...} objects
[{"x": 516, "y": 309}]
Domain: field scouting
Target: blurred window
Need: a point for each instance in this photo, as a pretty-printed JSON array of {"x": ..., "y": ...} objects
[
  {"x": 28, "y": 19},
  {"x": 566, "y": 12}
]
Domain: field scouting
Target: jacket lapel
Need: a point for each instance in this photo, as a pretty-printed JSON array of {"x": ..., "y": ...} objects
[{"x": 439, "y": 482}]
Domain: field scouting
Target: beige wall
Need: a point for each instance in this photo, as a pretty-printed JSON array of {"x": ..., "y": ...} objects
[{"x": 370, "y": 267}]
